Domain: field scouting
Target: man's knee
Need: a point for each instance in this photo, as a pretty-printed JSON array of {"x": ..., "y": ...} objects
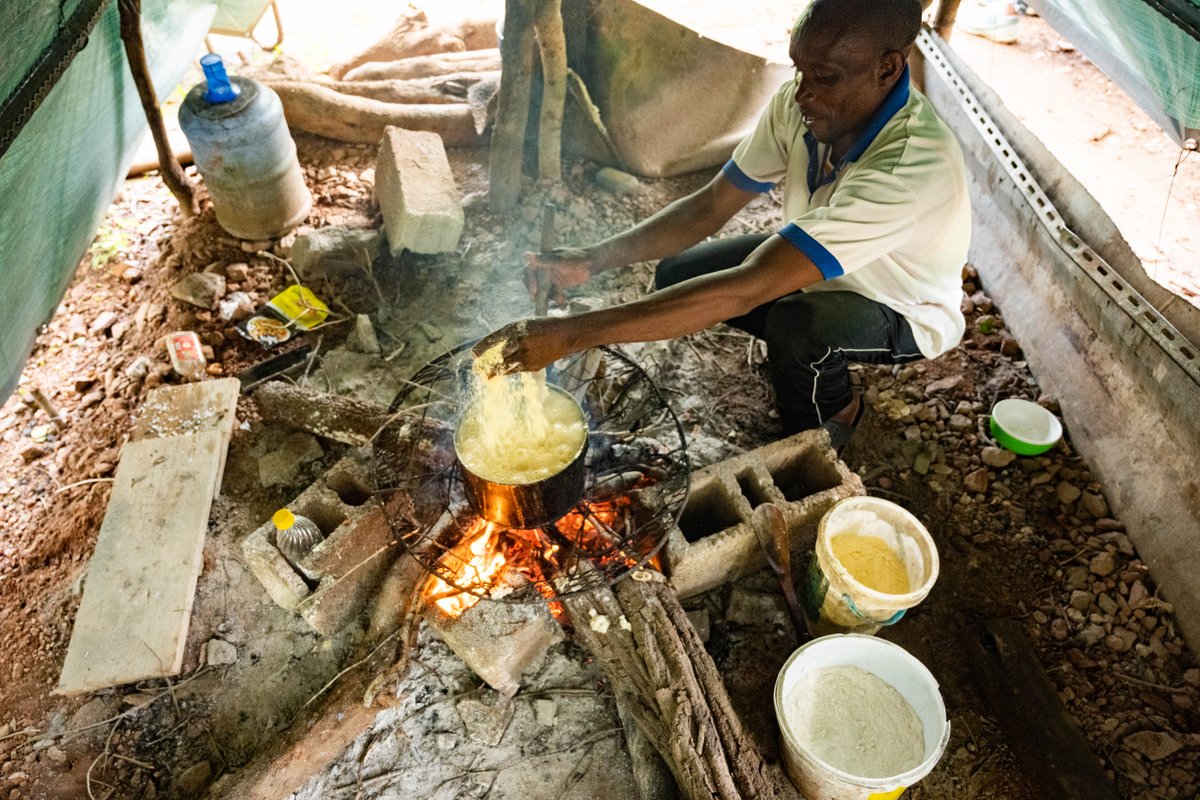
[{"x": 796, "y": 331}]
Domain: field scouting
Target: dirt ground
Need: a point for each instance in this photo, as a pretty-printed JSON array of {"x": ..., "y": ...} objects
[{"x": 1029, "y": 538}]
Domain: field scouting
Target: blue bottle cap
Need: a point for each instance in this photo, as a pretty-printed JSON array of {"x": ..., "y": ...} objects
[{"x": 220, "y": 89}]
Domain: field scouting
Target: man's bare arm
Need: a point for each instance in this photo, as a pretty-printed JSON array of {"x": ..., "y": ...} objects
[{"x": 776, "y": 268}]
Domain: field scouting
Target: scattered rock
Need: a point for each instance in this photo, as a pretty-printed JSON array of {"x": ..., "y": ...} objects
[
  {"x": 103, "y": 322},
  {"x": 1120, "y": 640},
  {"x": 617, "y": 182},
  {"x": 282, "y": 465},
  {"x": 31, "y": 451},
  {"x": 201, "y": 289},
  {"x": 236, "y": 307},
  {"x": 194, "y": 780},
  {"x": 546, "y": 711},
  {"x": 1058, "y": 629},
  {"x": 1091, "y": 635},
  {"x": 55, "y": 755},
  {"x": 958, "y": 422},
  {"x": 1080, "y": 600},
  {"x": 485, "y": 723},
  {"x": 238, "y": 273},
  {"x": 1067, "y": 493},
  {"x": 1102, "y": 564},
  {"x": 362, "y": 337},
  {"x": 335, "y": 251},
  {"x": 976, "y": 481},
  {"x": 1094, "y": 504},
  {"x": 944, "y": 385},
  {"x": 221, "y": 653},
  {"x": 1154, "y": 745},
  {"x": 986, "y": 323},
  {"x": 997, "y": 457}
]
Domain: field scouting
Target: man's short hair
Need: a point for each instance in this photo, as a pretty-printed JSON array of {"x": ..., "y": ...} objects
[{"x": 893, "y": 24}]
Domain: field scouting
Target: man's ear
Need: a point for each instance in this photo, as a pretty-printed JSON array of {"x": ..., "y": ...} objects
[{"x": 890, "y": 67}]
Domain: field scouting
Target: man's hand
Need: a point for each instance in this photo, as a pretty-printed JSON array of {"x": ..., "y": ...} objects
[
  {"x": 566, "y": 268},
  {"x": 527, "y": 344}
]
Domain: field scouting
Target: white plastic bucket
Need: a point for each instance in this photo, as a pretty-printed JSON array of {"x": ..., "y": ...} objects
[
  {"x": 892, "y": 664},
  {"x": 833, "y": 601}
]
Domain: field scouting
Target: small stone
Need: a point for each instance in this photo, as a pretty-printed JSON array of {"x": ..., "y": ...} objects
[
  {"x": 976, "y": 481},
  {"x": 997, "y": 457},
  {"x": 617, "y": 182},
  {"x": 1102, "y": 564},
  {"x": 446, "y": 741},
  {"x": 236, "y": 307},
  {"x": 1138, "y": 595},
  {"x": 103, "y": 322},
  {"x": 1120, "y": 640},
  {"x": 31, "y": 451},
  {"x": 221, "y": 653},
  {"x": 1092, "y": 634},
  {"x": 193, "y": 780},
  {"x": 546, "y": 711},
  {"x": 1067, "y": 493},
  {"x": 1154, "y": 745},
  {"x": 1077, "y": 577},
  {"x": 201, "y": 289},
  {"x": 256, "y": 246},
  {"x": 336, "y": 251},
  {"x": 56, "y": 755},
  {"x": 1081, "y": 600},
  {"x": 986, "y": 323},
  {"x": 1109, "y": 526},
  {"x": 485, "y": 723},
  {"x": 362, "y": 337},
  {"x": 282, "y": 465},
  {"x": 958, "y": 422},
  {"x": 1094, "y": 504},
  {"x": 238, "y": 273},
  {"x": 1058, "y": 629},
  {"x": 1009, "y": 348},
  {"x": 432, "y": 332},
  {"x": 1107, "y": 604},
  {"x": 943, "y": 385},
  {"x": 1192, "y": 676}
]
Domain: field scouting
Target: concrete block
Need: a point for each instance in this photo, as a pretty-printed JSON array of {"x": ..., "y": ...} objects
[
  {"x": 346, "y": 568},
  {"x": 714, "y": 542},
  {"x": 422, "y": 209},
  {"x": 499, "y": 641},
  {"x": 273, "y": 571},
  {"x": 335, "y": 251}
]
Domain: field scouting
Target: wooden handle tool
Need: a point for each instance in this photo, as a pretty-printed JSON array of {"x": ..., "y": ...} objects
[
  {"x": 541, "y": 299},
  {"x": 770, "y": 528}
]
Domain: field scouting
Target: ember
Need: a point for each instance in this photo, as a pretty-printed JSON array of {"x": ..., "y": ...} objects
[{"x": 481, "y": 563}]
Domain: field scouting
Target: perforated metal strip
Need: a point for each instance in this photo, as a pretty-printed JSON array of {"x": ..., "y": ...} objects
[{"x": 1104, "y": 275}]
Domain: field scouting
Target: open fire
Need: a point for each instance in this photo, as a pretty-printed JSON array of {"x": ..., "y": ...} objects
[{"x": 488, "y": 555}]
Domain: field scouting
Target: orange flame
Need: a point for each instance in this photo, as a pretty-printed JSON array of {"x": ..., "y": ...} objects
[{"x": 482, "y": 562}]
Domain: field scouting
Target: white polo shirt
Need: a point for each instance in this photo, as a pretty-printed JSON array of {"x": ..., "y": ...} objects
[{"x": 891, "y": 222}]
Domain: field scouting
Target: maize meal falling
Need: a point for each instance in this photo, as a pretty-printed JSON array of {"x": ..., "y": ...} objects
[{"x": 516, "y": 430}]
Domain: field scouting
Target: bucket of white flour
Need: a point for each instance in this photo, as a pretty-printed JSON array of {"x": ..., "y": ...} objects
[
  {"x": 859, "y": 718},
  {"x": 873, "y": 561}
]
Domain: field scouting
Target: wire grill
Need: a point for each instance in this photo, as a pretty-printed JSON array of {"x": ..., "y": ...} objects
[{"x": 635, "y": 486}]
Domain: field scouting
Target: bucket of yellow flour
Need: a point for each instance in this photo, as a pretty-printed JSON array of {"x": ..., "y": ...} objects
[
  {"x": 859, "y": 718},
  {"x": 872, "y": 562}
]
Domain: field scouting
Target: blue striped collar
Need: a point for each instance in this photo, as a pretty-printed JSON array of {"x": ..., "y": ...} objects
[{"x": 895, "y": 100}]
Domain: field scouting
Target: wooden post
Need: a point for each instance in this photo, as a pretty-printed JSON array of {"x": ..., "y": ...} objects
[
  {"x": 553, "y": 47},
  {"x": 135, "y": 52},
  {"x": 943, "y": 23},
  {"x": 512, "y": 113}
]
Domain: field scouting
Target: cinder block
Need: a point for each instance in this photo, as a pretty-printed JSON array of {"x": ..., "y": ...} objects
[
  {"x": 273, "y": 571},
  {"x": 343, "y": 570},
  {"x": 714, "y": 542},
  {"x": 422, "y": 209}
]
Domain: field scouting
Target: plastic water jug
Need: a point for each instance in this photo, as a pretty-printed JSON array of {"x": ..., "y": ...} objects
[{"x": 243, "y": 150}]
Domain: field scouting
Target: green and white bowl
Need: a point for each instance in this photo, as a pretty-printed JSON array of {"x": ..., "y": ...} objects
[{"x": 1023, "y": 427}]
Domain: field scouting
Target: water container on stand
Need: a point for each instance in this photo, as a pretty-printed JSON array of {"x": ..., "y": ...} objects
[{"x": 243, "y": 150}]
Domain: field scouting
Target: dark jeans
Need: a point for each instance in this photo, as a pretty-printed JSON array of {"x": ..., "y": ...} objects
[{"x": 811, "y": 337}]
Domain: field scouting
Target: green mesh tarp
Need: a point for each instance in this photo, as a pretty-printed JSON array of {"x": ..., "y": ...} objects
[
  {"x": 1150, "y": 48},
  {"x": 61, "y": 171}
]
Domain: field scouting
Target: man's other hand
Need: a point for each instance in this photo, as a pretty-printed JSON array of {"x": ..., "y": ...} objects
[{"x": 566, "y": 268}]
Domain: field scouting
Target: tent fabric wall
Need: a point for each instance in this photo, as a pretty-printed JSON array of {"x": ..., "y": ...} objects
[
  {"x": 59, "y": 176},
  {"x": 1151, "y": 49}
]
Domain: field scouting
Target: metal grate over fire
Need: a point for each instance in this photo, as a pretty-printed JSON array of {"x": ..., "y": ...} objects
[{"x": 634, "y": 484}]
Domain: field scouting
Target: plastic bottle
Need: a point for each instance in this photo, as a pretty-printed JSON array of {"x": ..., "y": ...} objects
[
  {"x": 243, "y": 150},
  {"x": 187, "y": 356},
  {"x": 295, "y": 535}
]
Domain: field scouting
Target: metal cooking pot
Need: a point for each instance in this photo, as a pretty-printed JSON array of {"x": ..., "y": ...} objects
[{"x": 527, "y": 505}]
